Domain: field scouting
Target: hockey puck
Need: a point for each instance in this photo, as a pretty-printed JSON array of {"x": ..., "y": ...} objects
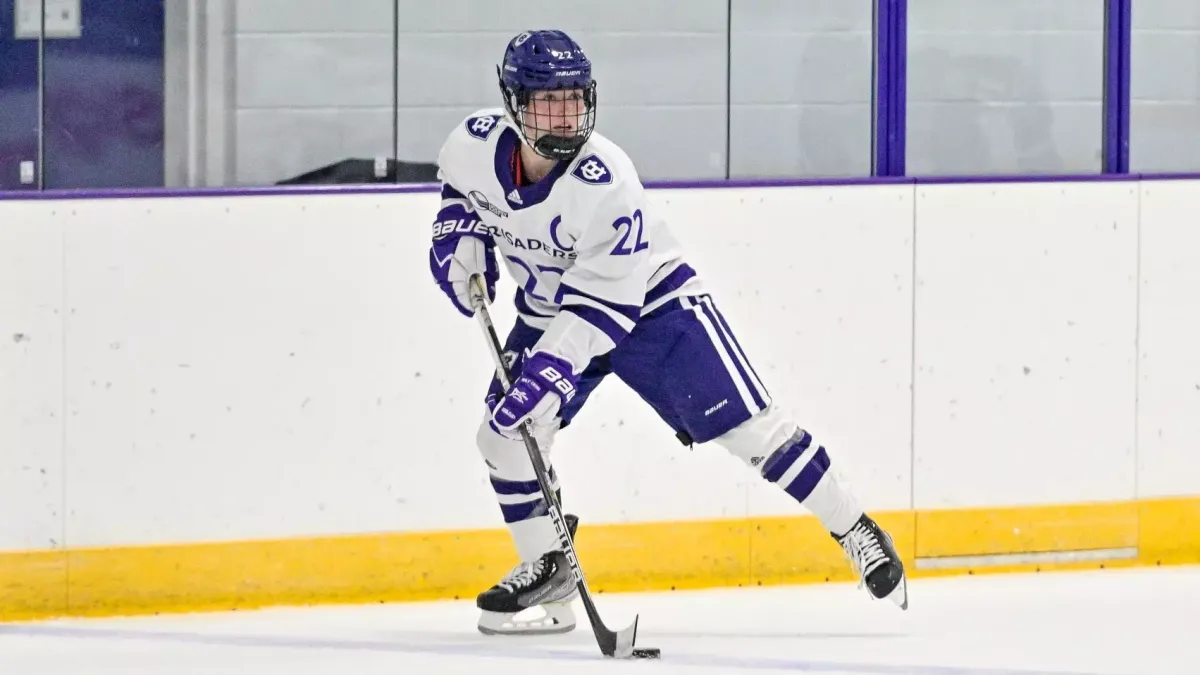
[{"x": 647, "y": 653}]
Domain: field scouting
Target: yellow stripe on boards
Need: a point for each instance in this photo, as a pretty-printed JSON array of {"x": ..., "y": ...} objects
[
  {"x": 992, "y": 531},
  {"x": 616, "y": 558},
  {"x": 1169, "y": 531},
  {"x": 219, "y": 576},
  {"x": 33, "y": 585},
  {"x": 664, "y": 555}
]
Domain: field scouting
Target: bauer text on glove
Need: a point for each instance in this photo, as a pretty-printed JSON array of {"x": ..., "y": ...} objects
[{"x": 545, "y": 383}]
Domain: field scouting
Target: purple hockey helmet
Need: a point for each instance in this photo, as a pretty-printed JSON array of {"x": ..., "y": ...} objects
[{"x": 547, "y": 60}]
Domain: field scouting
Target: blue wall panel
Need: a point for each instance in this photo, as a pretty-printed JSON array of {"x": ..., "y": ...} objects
[
  {"x": 103, "y": 98},
  {"x": 18, "y": 100}
]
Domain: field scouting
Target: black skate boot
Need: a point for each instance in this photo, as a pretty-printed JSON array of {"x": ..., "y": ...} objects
[
  {"x": 546, "y": 582},
  {"x": 874, "y": 558}
]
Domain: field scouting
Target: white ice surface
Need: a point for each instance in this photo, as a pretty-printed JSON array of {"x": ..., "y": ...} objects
[{"x": 1114, "y": 622}]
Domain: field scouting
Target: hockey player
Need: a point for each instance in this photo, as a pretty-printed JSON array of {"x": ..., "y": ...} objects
[{"x": 604, "y": 289}]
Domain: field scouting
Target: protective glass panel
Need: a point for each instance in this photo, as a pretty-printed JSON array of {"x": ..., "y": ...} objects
[
  {"x": 1164, "y": 123},
  {"x": 311, "y": 96},
  {"x": 800, "y": 88},
  {"x": 1005, "y": 86},
  {"x": 660, "y": 74}
]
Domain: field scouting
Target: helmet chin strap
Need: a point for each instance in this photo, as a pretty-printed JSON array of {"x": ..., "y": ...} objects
[{"x": 557, "y": 147}]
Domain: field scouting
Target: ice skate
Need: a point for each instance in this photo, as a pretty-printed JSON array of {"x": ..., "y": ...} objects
[
  {"x": 545, "y": 583},
  {"x": 874, "y": 558}
]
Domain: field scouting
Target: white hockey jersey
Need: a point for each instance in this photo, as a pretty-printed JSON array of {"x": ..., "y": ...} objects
[{"x": 589, "y": 255}]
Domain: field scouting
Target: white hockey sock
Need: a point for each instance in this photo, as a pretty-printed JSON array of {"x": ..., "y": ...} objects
[
  {"x": 801, "y": 469},
  {"x": 796, "y": 464},
  {"x": 834, "y": 506},
  {"x": 533, "y": 537},
  {"x": 517, "y": 492}
]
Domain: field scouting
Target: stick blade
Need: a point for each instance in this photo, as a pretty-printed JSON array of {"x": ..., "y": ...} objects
[{"x": 621, "y": 643}]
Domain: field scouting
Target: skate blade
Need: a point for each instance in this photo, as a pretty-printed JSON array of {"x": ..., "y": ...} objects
[
  {"x": 899, "y": 594},
  {"x": 556, "y": 620}
]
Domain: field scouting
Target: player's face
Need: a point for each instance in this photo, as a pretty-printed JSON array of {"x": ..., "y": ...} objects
[{"x": 559, "y": 112}]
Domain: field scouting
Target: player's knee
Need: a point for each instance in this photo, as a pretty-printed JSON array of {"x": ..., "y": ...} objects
[
  {"x": 502, "y": 454},
  {"x": 780, "y": 451},
  {"x": 754, "y": 440},
  {"x": 507, "y": 457},
  {"x": 512, "y": 476}
]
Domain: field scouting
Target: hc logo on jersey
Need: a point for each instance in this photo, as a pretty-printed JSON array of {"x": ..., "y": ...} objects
[
  {"x": 481, "y": 127},
  {"x": 592, "y": 171}
]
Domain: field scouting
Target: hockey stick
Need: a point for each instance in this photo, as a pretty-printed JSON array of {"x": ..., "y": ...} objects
[{"x": 619, "y": 644}]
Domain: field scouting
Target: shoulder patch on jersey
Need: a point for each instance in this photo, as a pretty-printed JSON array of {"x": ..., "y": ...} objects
[
  {"x": 481, "y": 127},
  {"x": 592, "y": 171}
]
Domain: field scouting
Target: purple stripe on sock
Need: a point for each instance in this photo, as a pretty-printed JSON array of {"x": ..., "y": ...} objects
[
  {"x": 517, "y": 512},
  {"x": 514, "y": 487},
  {"x": 522, "y": 487},
  {"x": 809, "y": 476},
  {"x": 783, "y": 458}
]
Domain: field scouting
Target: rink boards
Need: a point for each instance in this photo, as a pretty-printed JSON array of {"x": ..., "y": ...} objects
[{"x": 229, "y": 401}]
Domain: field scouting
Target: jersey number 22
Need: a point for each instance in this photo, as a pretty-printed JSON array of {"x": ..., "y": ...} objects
[{"x": 627, "y": 224}]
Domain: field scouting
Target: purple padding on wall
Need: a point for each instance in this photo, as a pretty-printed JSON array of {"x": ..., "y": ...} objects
[
  {"x": 1126, "y": 79},
  {"x": 883, "y": 87},
  {"x": 891, "y": 19},
  {"x": 1118, "y": 32},
  {"x": 18, "y": 101},
  {"x": 899, "y": 120}
]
